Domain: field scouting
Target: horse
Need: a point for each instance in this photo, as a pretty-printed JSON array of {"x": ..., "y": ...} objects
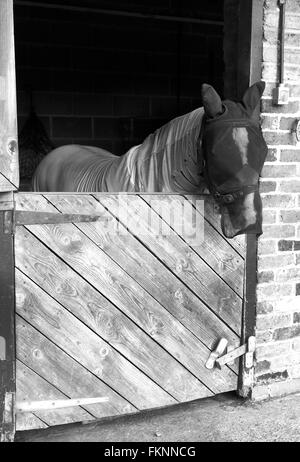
[{"x": 219, "y": 146}]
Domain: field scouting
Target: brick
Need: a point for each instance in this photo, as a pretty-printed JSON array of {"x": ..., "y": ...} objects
[
  {"x": 288, "y": 123},
  {"x": 284, "y": 387},
  {"x": 288, "y": 304},
  {"x": 271, "y": 35},
  {"x": 272, "y": 376},
  {"x": 270, "y": 122},
  {"x": 275, "y": 261},
  {"x": 290, "y": 155},
  {"x": 263, "y": 336},
  {"x": 272, "y": 155},
  {"x": 295, "y": 89},
  {"x": 262, "y": 366},
  {"x": 274, "y": 290},
  {"x": 286, "y": 333},
  {"x": 265, "y": 276},
  {"x": 294, "y": 372},
  {"x": 289, "y": 216},
  {"x": 267, "y": 186},
  {"x": 296, "y": 318},
  {"x": 260, "y": 393},
  {"x": 268, "y": 351},
  {"x": 288, "y": 274},
  {"x": 266, "y": 247},
  {"x": 277, "y": 231},
  {"x": 131, "y": 106},
  {"x": 279, "y": 138},
  {"x": 292, "y": 186},
  {"x": 270, "y": 55},
  {"x": 278, "y": 171},
  {"x": 93, "y": 104},
  {"x": 269, "y": 216},
  {"x": 278, "y": 200},
  {"x": 296, "y": 345},
  {"x": 264, "y": 307},
  {"x": 53, "y": 103},
  {"x": 281, "y": 362},
  {"x": 76, "y": 127},
  {"x": 164, "y": 107},
  {"x": 285, "y": 246},
  {"x": 108, "y": 127},
  {"x": 146, "y": 85},
  {"x": 273, "y": 321},
  {"x": 268, "y": 106}
]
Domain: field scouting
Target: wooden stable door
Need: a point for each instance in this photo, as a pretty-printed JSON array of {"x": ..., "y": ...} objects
[{"x": 110, "y": 309}]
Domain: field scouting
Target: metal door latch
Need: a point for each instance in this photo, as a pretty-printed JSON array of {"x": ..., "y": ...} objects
[{"x": 218, "y": 357}]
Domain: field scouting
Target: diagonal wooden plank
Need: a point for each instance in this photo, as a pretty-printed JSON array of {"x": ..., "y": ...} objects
[
  {"x": 87, "y": 259},
  {"x": 73, "y": 337},
  {"x": 50, "y": 362},
  {"x": 88, "y": 305},
  {"x": 29, "y": 421},
  {"x": 176, "y": 255},
  {"x": 5, "y": 184},
  {"x": 211, "y": 247},
  {"x": 212, "y": 215},
  {"x": 31, "y": 386},
  {"x": 151, "y": 274}
]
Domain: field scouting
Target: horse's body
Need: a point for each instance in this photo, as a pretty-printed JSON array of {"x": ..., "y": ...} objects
[
  {"x": 167, "y": 161},
  {"x": 228, "y": 149}
]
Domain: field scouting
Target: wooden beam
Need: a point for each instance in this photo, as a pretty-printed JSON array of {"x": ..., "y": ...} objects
[
  {"x": 7, "y": 327},
  {"x": 9, "y": 168},
  {"x": 249, "y": 71},
  {"x": 31, "y": 406},
  {"x": 126, "y": 14}
]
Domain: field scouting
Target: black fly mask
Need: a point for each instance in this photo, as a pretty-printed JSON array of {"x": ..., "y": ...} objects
[{"x": 234, "y": 152}]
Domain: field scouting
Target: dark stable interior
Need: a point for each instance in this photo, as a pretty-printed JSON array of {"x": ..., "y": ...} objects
[{"x": 109, "y": 80}]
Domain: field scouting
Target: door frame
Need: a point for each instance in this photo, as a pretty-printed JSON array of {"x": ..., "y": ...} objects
[
  {"x": 249, "y": 67},
  {"x": 249, "y": 71}
]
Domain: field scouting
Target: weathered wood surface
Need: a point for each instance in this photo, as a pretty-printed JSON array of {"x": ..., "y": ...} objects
[
  {"x": 145, "y": 268},
  {"x": 132, "y": 314},
  {"x": 226, "y": 262},
  {"x": 32, "y": 386},
  {"x": 99, "y": 314},
  {"x": 7, "y": 326},
  {"x": 9, "y": 171},
  {"x": 99, "y": 270},
  {"x": 87, "y": 348},
  {"x": 212, "y": 215},
  {"x": 177, "y": 256},
  {"x": 49, "y": 361}
]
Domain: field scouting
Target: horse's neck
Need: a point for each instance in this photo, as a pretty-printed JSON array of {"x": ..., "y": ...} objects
[{"x": 168, "y": 159}]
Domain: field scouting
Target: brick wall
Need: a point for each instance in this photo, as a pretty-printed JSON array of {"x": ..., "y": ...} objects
[
  {"x": 108, "y": 81},
  {"x": 278, "y": 292}
]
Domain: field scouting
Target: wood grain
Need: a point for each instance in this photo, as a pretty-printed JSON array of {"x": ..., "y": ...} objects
[
  {"x": 29, "y": 421},
  {"x": 54, "y": 365},
  {"x": 82, "y": 344},
  {"x": 177, "y": 256},
  {"x": 98, "y": 313},
  {"x": 9, "y": 178},
  {"x": 32, "y": 386},
  {"x": 149, "y": 272},
  {"x": 212, "y": 248},
  {"x": 100, "y": 271},
  {"x": 212, "y": 215}
]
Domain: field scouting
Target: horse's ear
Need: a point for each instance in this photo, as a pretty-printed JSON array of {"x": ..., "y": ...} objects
[
  {"x": 253, "y": 95},
  {"x": 211, "y": 101}
]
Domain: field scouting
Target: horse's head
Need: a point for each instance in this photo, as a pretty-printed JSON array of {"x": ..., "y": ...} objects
[{"x": 234, "y": 152}]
